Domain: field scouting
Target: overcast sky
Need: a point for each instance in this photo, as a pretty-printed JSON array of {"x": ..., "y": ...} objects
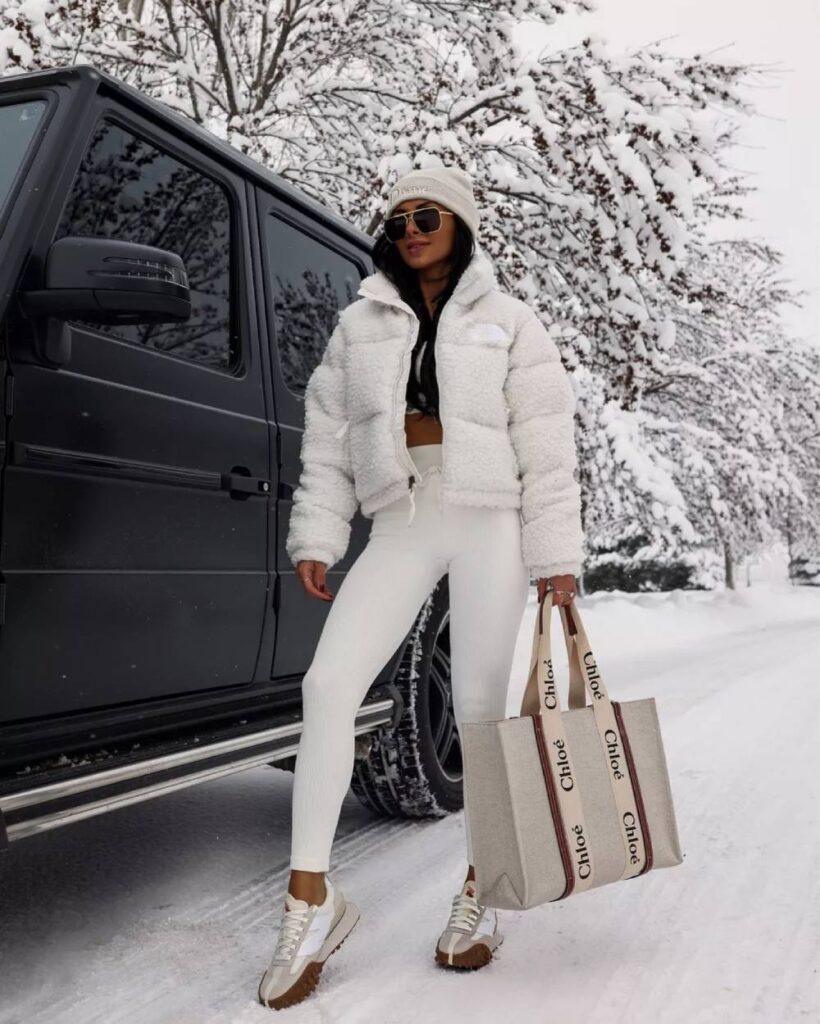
[{"x": 781, "y": 144}]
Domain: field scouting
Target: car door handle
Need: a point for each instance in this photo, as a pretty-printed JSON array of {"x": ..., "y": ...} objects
[{"x": 244, "y": 484}]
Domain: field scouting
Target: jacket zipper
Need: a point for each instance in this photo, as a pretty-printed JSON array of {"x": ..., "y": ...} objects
[{"x": 404, "y": 453}]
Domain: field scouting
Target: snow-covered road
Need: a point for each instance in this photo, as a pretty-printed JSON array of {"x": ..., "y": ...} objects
[{"x": 164, "y": 913}]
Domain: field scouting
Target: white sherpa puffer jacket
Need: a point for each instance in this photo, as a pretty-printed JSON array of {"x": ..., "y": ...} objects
[{"x": 507, "y": 412}]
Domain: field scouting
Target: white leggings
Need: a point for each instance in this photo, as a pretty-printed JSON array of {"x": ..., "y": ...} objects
[{"x": 375, "y": 606}]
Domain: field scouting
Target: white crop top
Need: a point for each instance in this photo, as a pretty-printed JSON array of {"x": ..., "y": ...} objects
[{"x": 417, "y": 371}]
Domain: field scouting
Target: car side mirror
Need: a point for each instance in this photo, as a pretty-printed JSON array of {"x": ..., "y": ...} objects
[{"x": 105, "y": 281}]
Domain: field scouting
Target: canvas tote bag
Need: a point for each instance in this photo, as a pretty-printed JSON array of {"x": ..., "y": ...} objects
[{"x": 559, "y": 802}]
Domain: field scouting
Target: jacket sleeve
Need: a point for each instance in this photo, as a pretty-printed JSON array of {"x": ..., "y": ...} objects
[
  {"x": 324, "y": 501},
  {"x": 541, "y": 401}
]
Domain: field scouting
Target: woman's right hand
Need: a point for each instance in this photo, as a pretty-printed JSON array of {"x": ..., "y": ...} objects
[{"x": 312, "y": 575}]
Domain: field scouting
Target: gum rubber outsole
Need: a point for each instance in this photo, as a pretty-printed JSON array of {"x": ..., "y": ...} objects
[
  {"x": 471, "y": 959},
  {"x": 309, "y": 978}
]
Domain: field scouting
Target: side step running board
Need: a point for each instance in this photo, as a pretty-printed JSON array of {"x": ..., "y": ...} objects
[{"x": 84, "y": 796}]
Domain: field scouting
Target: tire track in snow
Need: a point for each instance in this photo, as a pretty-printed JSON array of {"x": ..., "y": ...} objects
[
  {"x": 731, "y": 935},
  {"x": 631, "y": 934},
  {"x": 744, "y": 814},
  {"x": 171, "y": 953}
]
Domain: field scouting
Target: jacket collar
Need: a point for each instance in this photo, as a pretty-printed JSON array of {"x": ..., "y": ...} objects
[{"x": 478, "y": 277}]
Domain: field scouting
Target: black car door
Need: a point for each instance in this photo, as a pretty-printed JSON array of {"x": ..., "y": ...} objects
[
  {"x": 310, "y": 272},
  {"x": 133, "y": 548}
]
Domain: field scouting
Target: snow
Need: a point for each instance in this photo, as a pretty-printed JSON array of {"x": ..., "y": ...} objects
[{"x": 165, "y": 913}]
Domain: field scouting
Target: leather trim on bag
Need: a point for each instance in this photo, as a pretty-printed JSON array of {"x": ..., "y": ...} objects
[
  {"x": 636, "y": 789},
  {"x": 555, "y": 807}
]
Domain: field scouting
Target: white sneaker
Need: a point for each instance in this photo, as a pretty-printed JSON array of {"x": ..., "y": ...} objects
[
  {"x": 471, "y": 934},
  {"x": 308, "y": 934}
]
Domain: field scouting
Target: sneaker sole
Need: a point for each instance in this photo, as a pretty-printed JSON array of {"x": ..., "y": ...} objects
[
  {"x": 309, "y": 978},
  {"x": 476, "y": 956}
]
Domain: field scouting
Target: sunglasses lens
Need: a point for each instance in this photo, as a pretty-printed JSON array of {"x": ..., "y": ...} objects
[
  {"x": 394, "y": 228},
  {"x": 427, "y": 220}
]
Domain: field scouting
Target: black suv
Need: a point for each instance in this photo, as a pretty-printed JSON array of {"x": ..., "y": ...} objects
[{"x": 163, "y": 301}]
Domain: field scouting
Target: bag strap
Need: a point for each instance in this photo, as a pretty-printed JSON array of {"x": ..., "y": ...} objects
[
  {"x": 541, "y": 702},
  {"x": 615, "y": 740},
  {"x": 531, "y": 701},
  {"x": 564, "y": 796}
]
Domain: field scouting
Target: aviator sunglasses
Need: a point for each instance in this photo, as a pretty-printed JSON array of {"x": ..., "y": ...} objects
[{"x": 427, "y": 220}]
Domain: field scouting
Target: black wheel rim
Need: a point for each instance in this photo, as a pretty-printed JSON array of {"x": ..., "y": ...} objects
[{"x": 443, "y": 728}]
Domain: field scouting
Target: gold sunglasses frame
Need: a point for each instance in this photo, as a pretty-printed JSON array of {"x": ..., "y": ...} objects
[{"x": 410, "y": 214}]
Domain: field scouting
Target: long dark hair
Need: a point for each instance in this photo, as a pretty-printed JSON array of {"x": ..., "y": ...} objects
[{"x": 387, "y": 258}]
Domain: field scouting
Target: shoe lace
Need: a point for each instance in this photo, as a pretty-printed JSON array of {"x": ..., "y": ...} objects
[
  {"x": 465, "y": 912},
  {"x": 290, "y": 930}
]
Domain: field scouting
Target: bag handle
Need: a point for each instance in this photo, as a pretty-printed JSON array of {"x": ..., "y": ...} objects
[
  {"x": 541, "y": 701},
  {"x": 531, "y": 702}
]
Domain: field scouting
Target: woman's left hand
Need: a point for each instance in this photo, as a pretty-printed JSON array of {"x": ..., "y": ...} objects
[{"x": 564, "y": 587}]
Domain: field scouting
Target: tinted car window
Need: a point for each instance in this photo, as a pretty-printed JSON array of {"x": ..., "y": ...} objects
[
  {"x": 130, "y": 190},
  {"x": 18, "y": 123},
  {"x": 310, "y": 285}
]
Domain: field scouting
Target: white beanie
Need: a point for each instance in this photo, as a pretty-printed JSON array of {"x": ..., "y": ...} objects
[{"x": 449, "y": 186}]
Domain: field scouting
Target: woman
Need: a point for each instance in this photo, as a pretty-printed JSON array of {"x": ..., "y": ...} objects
[{"x": 493, "y": 505}]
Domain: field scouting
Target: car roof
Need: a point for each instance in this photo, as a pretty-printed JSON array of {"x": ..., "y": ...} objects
[{"x": 193, "y": 133}]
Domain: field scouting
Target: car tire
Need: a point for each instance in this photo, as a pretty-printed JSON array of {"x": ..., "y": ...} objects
[{"x": 416, "y": 770}]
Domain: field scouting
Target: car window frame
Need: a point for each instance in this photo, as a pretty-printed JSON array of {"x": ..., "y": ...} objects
[
  {"x": 12, "y": 98},
  {"x": 290, "y": 404},
  {"x": 143, "y": 131}
]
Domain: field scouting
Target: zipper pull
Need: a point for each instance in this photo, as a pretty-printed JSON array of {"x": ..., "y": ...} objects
[{"x": 412, "y": 480}]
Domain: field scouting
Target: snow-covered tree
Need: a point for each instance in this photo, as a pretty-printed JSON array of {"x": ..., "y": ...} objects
[
  {"x": 800, "y": 377},
  {"x": 710, "y": 466},
  {"x": 725, "y": 431},
  {"x": 584, "y": 162},
  {"x": 595, "y": 173}
]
